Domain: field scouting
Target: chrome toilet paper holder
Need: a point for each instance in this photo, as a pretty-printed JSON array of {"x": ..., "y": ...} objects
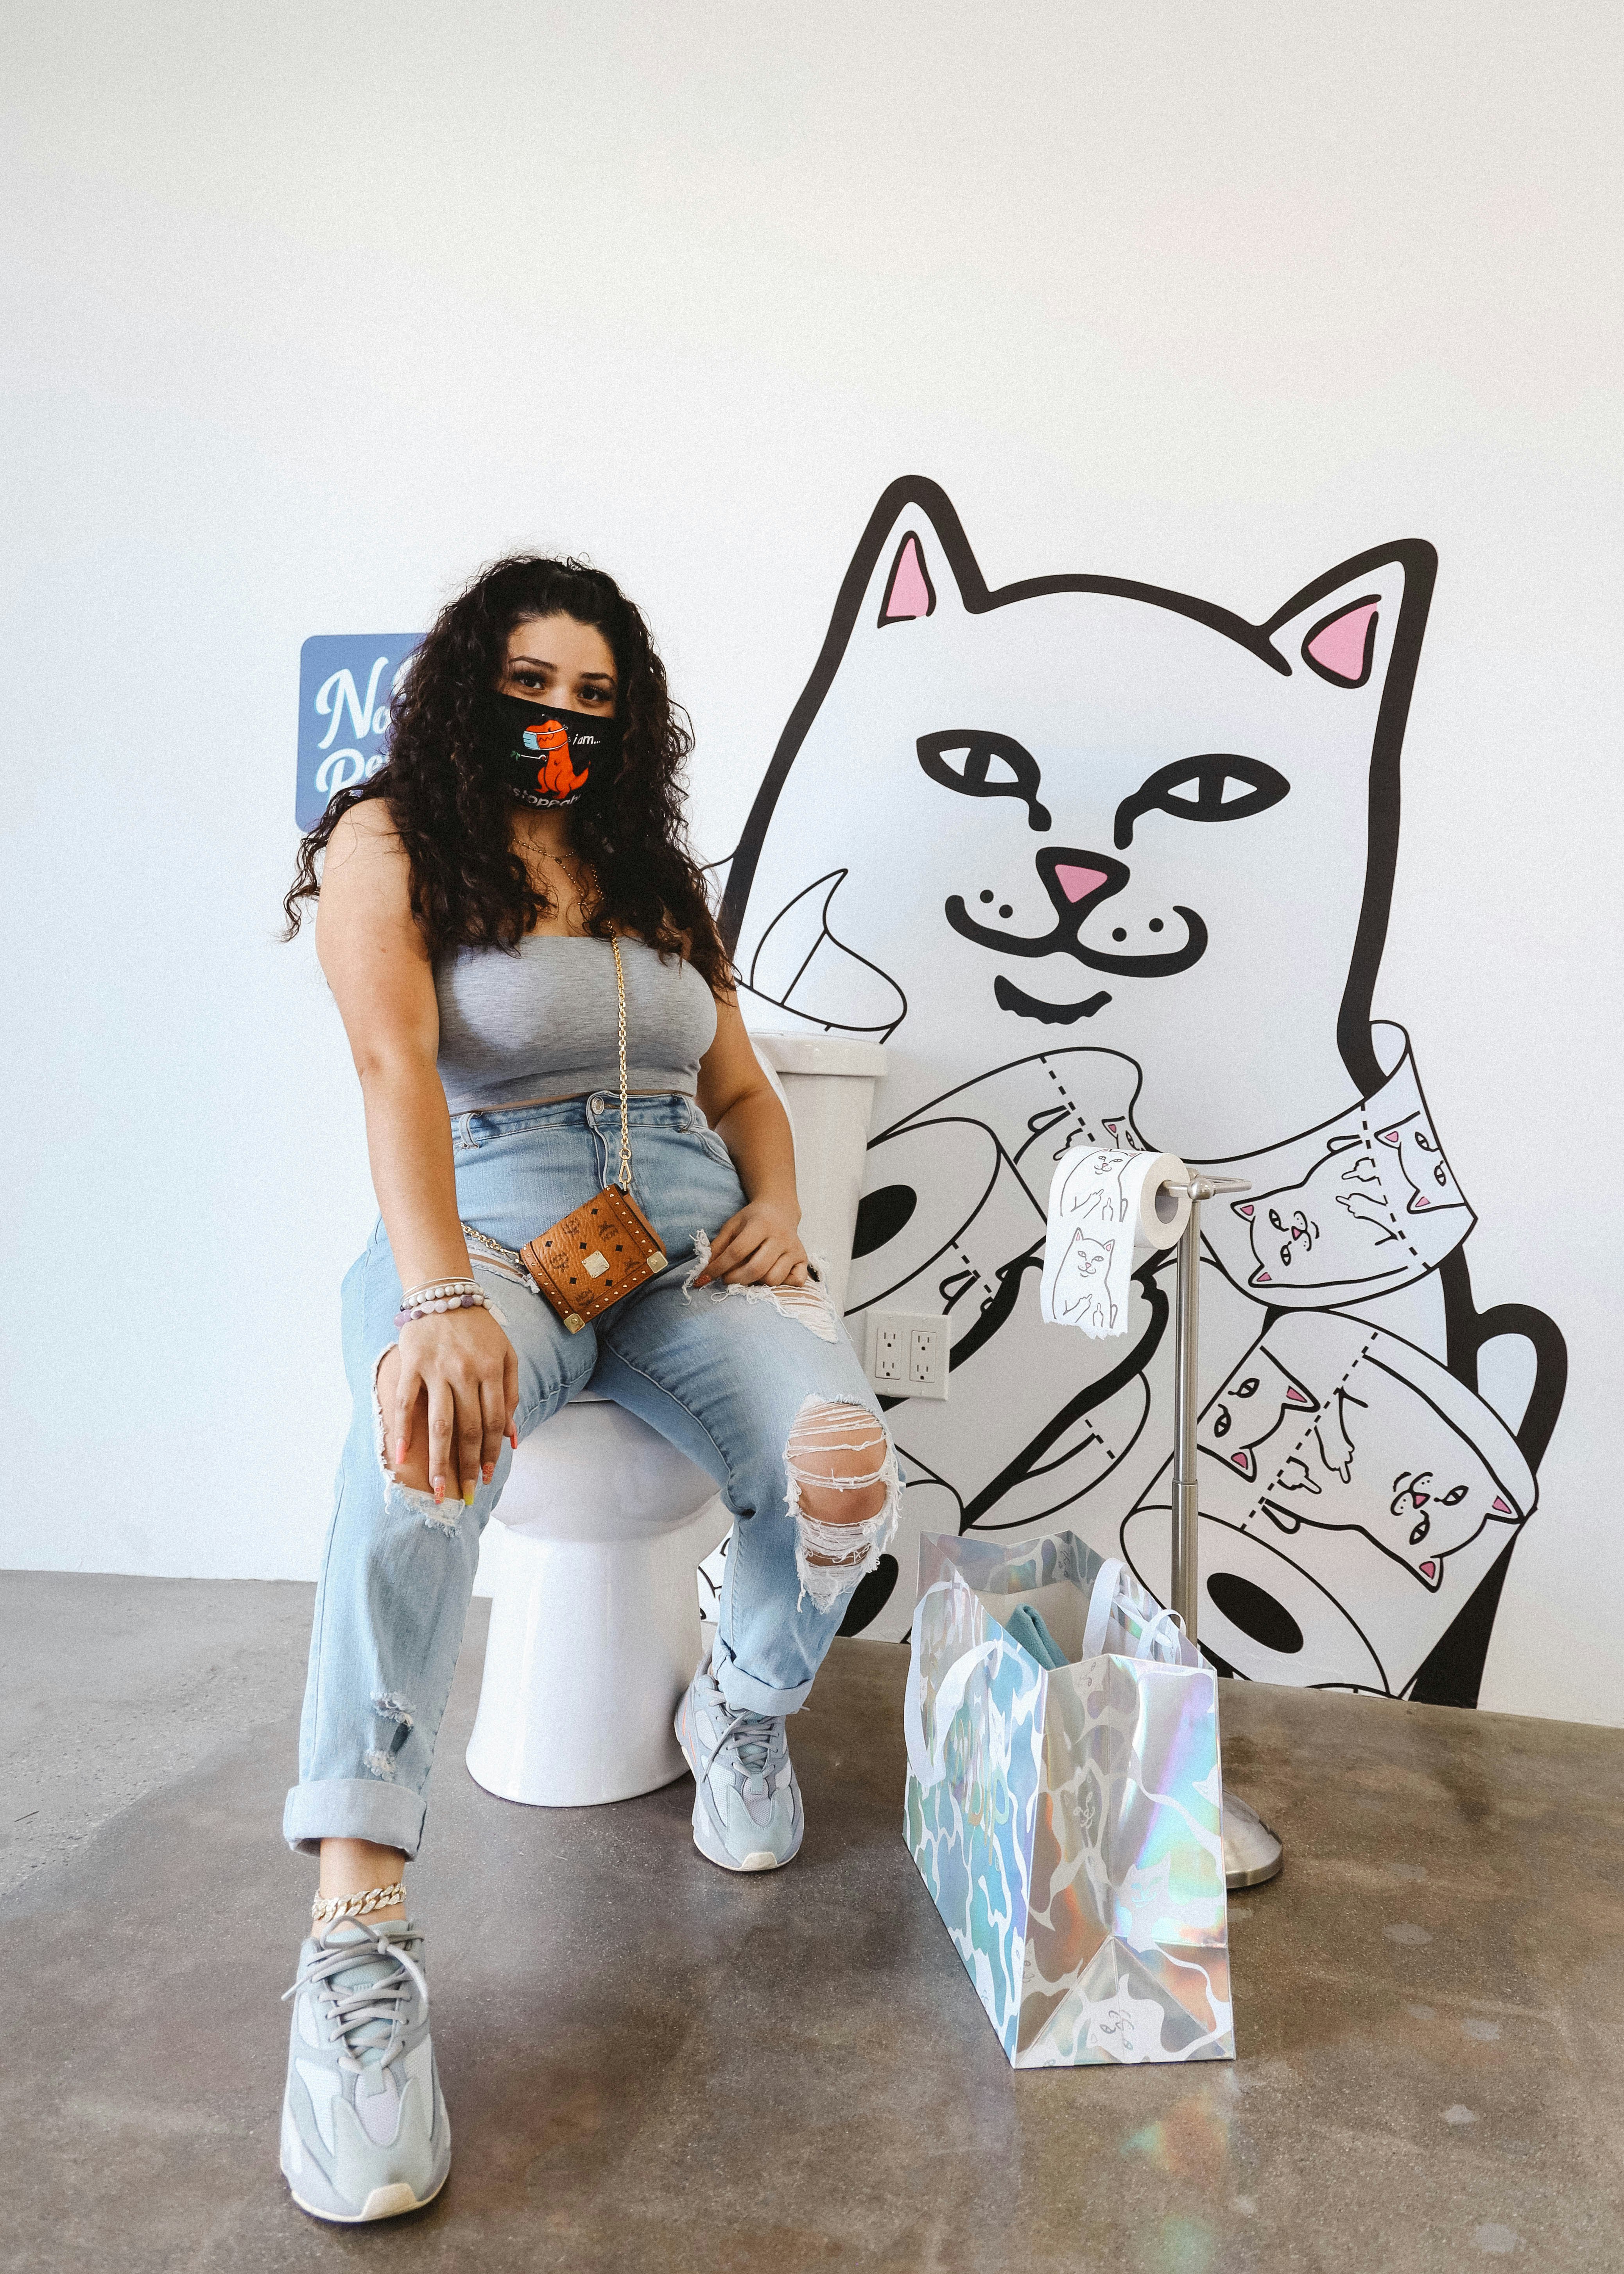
[{"x": 1252, "y": 1852}]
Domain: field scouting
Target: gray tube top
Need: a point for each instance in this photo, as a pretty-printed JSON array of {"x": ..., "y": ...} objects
[{"x": 542, "y": 1022}]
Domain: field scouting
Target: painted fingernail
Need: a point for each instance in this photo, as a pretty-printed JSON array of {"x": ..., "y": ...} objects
[
  {"x": 469, "y": 1490},
  {"x": 513, "y": 1439},
  {"x": 400, "y": 1452},
  {"x": 488, "y": 1470},
  {"x": 439, "y": 1484}
]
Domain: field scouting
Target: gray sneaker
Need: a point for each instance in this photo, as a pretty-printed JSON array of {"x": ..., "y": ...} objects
[
  {"x": 364, "y": 2133},
  {"x": 746, "y": 1804}
]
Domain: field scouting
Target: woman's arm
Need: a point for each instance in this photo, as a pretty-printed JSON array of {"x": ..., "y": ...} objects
[
  {"x": 763, "y": 1241},
  {"x": 378, "y": 968}
]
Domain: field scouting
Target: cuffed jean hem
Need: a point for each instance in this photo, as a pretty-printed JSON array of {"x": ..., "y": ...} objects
[
  {"x": 353, "y": 1808},
  {"x": 745, "y": 1694}
]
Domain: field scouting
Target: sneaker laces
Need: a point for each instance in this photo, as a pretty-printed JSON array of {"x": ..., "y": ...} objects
[
  {"x": 363, "y": 2010},
  {"x": 751, "y": 1738}
]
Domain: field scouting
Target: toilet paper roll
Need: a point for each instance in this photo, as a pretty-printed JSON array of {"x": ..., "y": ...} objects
[{"x": 1102, "y": 1209}]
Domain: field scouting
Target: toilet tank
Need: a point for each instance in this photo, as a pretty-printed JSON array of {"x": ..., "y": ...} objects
[{"x": 827, "y": 1083}]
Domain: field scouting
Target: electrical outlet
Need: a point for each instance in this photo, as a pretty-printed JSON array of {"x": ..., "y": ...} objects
[
  {"x": 925, "y": 1356},
  {"x": 907, "y": 1354}
]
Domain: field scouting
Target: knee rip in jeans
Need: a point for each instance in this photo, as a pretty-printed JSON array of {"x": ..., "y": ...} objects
[
  {"x": 405, "y": 1499},
  {"x": 810, "y": 1304},
  {"x": 839, "y": 1446}
]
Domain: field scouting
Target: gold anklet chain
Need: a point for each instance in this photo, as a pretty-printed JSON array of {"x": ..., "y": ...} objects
[{"x": 326, "y": 1908}]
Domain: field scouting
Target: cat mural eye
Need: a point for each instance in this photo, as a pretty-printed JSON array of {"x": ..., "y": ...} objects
[
  {"x": 978, "y": 763},
  {"x": 1247, "y": 1389},
  {"x": 1426, "y": 1144},
  {"x": 1410, "y": 1497},
  {"x": 1219, "y": 787}
]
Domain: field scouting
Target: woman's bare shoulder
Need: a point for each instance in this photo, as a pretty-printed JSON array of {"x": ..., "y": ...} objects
[
  {"x": 368, "y": 826},
  {"x": 366, "y": 874}
]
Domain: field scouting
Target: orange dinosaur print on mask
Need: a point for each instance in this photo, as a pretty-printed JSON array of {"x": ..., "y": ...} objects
[{"x": 556, "y": 774}]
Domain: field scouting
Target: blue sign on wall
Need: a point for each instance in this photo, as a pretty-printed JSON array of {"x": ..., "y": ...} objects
[{"x": 346, "y": 683}]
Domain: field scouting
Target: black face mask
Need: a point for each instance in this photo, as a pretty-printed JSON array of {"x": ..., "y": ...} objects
[{"x": 550, "y": 757}]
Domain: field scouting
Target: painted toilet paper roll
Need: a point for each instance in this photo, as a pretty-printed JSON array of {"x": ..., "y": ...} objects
[
  {"x": 1102, "y": 1207},
  {"x": 1361, "y": 1205},
  {"x": 950, "y": 1224},
  {"x": 1352, "y": 1493}
]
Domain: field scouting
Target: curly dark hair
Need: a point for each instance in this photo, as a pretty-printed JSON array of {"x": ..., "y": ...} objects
[{"x": 453, "y": 815}]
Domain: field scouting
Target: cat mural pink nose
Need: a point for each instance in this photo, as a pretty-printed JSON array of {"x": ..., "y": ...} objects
[{"x": 1077, "y": 883}]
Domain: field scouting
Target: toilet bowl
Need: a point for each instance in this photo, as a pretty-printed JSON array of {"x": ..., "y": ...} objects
[
  {"x": 594, "y": 1629},
  {"x": 594, "y": 1615}
]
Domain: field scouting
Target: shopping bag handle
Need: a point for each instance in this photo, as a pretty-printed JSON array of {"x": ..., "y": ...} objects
[
  {"x": 928, "y": 1763},
  {"x": 1162, "y": 1634}
]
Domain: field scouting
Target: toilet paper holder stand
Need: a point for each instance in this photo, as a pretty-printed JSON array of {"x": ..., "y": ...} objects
[{"x": 1252, "y": 1852}]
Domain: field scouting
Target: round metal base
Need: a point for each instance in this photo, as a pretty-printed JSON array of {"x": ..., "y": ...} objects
[{"x": 1252, "y": 1854}]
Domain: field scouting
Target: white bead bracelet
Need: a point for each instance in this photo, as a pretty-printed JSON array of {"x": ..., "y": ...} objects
[{"x": 474, "y": 1300}]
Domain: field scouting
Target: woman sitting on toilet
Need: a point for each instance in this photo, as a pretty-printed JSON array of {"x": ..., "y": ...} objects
[{"x": 530, "y": 814}]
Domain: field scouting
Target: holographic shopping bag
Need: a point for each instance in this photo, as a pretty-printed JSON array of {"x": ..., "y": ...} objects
[{"x": 1068, "y": 1822}]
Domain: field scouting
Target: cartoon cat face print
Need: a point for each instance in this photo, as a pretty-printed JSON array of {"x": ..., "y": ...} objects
[
  {"x": 1081, "y": 1295},
  {"x": 1421, "y": 1164},
  {"x": 1431, "y": 1514},
  {"x": 1351, "y": 1218},
  {"x": 1415, "y": 1491},
  {"x": 1260, "y": 1400},
  {"x": 1093, "y": 1189},
  {"x": 1331, "y": 1216},
  {"x": 1364, "y": 1433},
  {"x": 1083, "y": 807}
]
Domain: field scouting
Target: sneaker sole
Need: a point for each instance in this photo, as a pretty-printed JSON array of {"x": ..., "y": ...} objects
[
  {"x": 383, "y": 2203},
  {"x": 759, "y": 1859}
]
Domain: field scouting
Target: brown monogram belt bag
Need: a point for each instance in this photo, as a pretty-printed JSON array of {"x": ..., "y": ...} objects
[{"x": 600, "y": 1250}]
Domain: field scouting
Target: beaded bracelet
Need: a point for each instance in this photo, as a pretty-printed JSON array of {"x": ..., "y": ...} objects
[
  {"x": 432, "y": 1289},
  {"x": 476, "y": 1299}
]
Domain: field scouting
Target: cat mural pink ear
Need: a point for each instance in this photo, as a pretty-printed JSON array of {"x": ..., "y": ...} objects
[
  {"x": 909, "y": 592},
  {"x": 1343, "y": 632},
  {"x": 1342, "y": 646},
  {"x": 914, "y": 560}
]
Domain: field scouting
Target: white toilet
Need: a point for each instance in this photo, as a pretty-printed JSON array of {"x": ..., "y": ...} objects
[{"x": 595, "y": 1612}]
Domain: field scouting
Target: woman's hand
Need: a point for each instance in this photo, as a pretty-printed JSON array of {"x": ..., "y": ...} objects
[
  {"x": 759, "y": 1247},
  {"x": 455, "y": 1395}
]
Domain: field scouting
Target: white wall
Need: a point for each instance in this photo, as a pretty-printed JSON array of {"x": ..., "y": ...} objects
[{"x": 311, "y": 309}]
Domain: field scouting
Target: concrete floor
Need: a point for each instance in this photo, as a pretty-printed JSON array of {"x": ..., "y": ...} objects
[{"x": 652, "y": 2064}]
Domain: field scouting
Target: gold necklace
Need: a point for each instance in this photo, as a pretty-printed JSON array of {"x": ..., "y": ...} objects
[
  {"x": 575, "y": 876},
  {"x": 578, "y": 883},
  {"x": 562, "y": 863}
]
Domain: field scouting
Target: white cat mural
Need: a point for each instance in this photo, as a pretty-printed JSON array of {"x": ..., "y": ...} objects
[{"x": 1105, "y": 864}]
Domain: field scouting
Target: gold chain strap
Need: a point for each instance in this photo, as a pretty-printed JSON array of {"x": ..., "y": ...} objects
[{"x": 624, "y": 1179}]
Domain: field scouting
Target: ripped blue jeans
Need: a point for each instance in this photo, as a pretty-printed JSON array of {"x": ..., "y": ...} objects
[{"x": 752, "y": 1387}]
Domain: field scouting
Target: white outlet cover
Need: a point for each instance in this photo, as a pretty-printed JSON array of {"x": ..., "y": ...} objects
[{"x": 903, "y": 1323}]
